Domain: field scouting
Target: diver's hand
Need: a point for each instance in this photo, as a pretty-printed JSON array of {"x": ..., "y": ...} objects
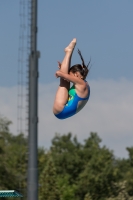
[
  {"x": 57, "y": 74},
  {"x": 59, "y": 64}
]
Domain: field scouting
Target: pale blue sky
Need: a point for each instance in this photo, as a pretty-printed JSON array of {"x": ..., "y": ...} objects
[{"x": 104, "y": 32}]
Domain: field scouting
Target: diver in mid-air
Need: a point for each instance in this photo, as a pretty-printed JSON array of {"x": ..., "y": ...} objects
[{"x": 69, "y": 101}]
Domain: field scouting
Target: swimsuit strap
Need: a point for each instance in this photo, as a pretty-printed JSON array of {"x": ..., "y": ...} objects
[
  {"x": 86, "y": 98},
  {"x": 72, "y": 91}
]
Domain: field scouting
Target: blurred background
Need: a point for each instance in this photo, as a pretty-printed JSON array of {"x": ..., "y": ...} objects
[{"x": 104, "y": 33}]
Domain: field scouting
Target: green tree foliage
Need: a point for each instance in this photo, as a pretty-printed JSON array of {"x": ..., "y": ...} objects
[
  {"x": 13, "y": 164},
  {"x": 42, "y": 159},
  {"x": 68, "y": 170},
  {"x": 4, "y": 124},
  {"x": 48, "y": 182},
  {"x": 99, "y": 172},
  {"x": 122, "y": 192},
  {"x": 90, "y": 168},
  {"x": 129, "y": 174},
  {"x": 123, "y": 166},
  {"x": 66, "y": 155}
]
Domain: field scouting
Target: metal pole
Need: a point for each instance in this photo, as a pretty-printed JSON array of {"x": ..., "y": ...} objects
[{"x": 32, "y": 182}]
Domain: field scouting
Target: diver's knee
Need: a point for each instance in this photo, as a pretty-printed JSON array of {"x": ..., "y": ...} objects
[{"x": 57, "y": 109}]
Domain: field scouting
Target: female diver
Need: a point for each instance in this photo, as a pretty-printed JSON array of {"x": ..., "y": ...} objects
[{"x": 69, "y": 101}]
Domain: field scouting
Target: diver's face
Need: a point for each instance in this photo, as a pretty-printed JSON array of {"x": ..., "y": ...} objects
[{"x": 76, "y": 74}]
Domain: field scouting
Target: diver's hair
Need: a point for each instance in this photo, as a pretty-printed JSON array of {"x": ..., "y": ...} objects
[{"x": 83, "y": 69}]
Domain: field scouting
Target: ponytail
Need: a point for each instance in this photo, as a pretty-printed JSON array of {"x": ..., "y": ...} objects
[{"x": 83, "y": 69}]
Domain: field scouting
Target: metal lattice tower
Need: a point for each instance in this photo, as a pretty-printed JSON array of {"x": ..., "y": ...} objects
[
  {"x": 22, "y": 62},
  {"x": 28, "y": 90},
  {"x": 23, "y": 76}
]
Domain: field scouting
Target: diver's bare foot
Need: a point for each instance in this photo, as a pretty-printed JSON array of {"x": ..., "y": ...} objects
[{"x": 71, "y": 46}]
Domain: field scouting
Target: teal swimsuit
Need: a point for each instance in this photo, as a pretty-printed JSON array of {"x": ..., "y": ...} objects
[{"x": 70, "y": 108}]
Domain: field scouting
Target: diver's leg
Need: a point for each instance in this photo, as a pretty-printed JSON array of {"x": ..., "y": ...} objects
[
  {"x": 65, "y": 65},
  {"x": 62, "y": 92}
]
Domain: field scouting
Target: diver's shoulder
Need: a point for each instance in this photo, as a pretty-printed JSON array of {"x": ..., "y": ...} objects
[{"x": 87, "y": 84}]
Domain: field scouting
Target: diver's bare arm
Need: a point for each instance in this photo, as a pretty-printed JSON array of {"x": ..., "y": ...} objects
[{"x": 69, "y": 78}]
